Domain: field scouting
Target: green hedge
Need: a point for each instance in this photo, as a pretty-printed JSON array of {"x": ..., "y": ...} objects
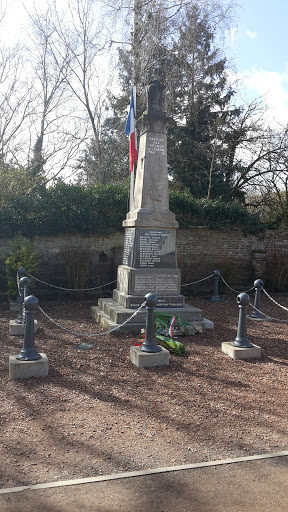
[
  {"x": 213, "y": 214},
  {"x": 74, "y": 209}
]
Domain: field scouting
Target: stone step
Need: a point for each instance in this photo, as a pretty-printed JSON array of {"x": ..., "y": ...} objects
[
  {"x": 119, "y": 314},
  {"x": 109, "y": 314},
  {"x": 108, "y": 324}
]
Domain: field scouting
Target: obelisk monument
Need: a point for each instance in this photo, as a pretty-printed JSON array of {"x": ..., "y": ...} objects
[{"x": 149, "y": 258}]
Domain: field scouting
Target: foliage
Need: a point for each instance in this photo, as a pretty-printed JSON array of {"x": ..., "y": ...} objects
[
  {"x": 197, "y": 145},
  {"x": 173, "y": 346},
  {"x": 108, "y": 160},
  {"x": 181, "y": 53},
  {"x": 272, "y": 204},
  {"x": 21, "y": 254},
  {"x": 14, "y": 183},
  {"x": 65, "y": 209},
  {"x": 75, "y": 209},
  {"x": 213, "y": 214}
]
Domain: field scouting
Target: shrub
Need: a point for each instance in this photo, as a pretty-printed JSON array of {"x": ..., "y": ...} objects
[
  {"x": 101, "y": 209},
  {"x": 22, "y": 254}
]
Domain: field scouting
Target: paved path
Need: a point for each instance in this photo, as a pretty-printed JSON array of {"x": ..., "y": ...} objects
[{"x": 254, "y": 486}]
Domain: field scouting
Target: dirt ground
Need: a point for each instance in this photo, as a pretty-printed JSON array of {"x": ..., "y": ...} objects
[{"x": 96, "y": 413}]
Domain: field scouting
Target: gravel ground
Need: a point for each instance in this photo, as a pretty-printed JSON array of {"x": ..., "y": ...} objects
[{"x": 96, "y": 413}]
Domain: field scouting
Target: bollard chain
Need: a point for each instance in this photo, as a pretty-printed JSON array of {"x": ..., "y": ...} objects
[
  {"x": 232, "y": 289},
  {"x": 94, "y": 335},
  {"x": 267, "y": 317},
  {"x": 199, "y": 281},
  {"x": 71, "y": 289},
  {"x": 273, "y": 300}
]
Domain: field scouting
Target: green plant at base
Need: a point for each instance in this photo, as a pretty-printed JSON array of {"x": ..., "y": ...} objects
[
  {"x": 172, "y": 345},
  {"x": 21, "y": 254}
]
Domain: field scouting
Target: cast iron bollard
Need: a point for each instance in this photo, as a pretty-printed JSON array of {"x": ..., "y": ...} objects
[
  {"x": 23, "y": 287},
  {"x": 258, "y": 285},
  {"x": 241, "y": 339},
  {"x": 216, "y": 275},
  {"x": 150, "y": 344},
  {"x": 21, "y": 272},
  {"x": 29, "y": 351}
]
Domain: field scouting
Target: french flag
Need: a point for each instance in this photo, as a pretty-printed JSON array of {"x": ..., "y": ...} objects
[{"x": 130, "y": 130}]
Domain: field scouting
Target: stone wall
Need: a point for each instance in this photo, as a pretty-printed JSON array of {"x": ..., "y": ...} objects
[{"x": 240, "y": 258}]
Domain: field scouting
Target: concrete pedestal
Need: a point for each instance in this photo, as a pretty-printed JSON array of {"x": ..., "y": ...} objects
[
  {"x": 26, "y": 369},
  {"x": 148, "y": 359},
  {"x": 241, "y": 352},
  {"x": 16, "y": 329}
]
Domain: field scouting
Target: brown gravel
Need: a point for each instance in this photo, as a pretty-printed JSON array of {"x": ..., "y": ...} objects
[{"x": 96, "y": 413}]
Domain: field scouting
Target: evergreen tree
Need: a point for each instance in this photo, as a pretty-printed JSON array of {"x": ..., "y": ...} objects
[
  {"x": 202, "y": 109},
  {"x": 108, "y": 160},
  {"x": 180, "y": 51}
]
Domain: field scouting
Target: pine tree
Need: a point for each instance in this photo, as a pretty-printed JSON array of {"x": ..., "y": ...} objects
[
  {"x": 182, "y": 54},
  {"x": 201, "y": 107}
]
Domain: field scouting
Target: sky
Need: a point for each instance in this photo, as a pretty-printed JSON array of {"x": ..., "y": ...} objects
[
  {"x": 257, "y": 45},
  {"x": 259, "y": 49}
]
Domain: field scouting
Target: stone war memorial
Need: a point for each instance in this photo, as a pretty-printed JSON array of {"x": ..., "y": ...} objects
[{"x": 149, "y": 261}]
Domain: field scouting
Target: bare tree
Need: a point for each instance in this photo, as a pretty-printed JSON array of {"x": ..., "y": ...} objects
[
  {"x": 55, "y": 127},
  {"x": 16, "y": 100},
  {"x": 87, "y": 75}
]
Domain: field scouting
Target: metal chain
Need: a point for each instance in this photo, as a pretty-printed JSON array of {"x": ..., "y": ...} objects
[
  {"x": 267, "y": 317},
  {"x": 23, "y": 307},
  {"x": 200, "y": 281},
  {"x": 72, "y": 289},
  {"x": 94, "y": 335},
  {"x": 235, "y": 291},
  {"x": 273, "y": 300}
]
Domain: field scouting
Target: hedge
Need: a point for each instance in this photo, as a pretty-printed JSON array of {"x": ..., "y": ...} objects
[{"x": 75, "y": 209}]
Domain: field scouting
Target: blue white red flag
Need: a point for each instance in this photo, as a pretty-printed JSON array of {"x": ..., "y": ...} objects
[
  {"x": 170, "y": 332},
  {"x": 130, "y": 130}
]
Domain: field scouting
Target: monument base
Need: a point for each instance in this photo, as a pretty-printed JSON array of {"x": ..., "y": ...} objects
[
  {"x": 149, "y": 359},
  {"x": 135, "y": 301},
  {"x": 19, "y": 369},
  {"x": 109, "y": 315},
  {"x": 241, "y": 352},
  {"x": 16, "y": 329}
]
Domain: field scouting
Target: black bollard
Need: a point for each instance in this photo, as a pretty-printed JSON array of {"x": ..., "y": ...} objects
[
  {"x": 23, "y": 287},
  {"x": 258, "y": 285},
  {"x": 29, "y": 351},
  {"x": 149, "y": 344},
  {"x": 215, "y": 296},
  {"x": 241, "y": 339}
]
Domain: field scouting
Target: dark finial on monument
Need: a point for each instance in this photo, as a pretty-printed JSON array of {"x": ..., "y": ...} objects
[{"x": 155, "y": 98}]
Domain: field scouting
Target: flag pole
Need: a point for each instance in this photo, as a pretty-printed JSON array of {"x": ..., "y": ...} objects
[{"x": 132, "y": 176}]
